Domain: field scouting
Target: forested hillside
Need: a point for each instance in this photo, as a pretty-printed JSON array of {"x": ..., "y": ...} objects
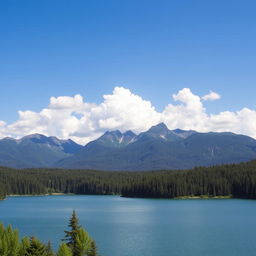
[{"x": 237, "y": 180}]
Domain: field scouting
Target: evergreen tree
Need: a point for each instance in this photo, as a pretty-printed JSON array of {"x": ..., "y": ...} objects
[
  {"x": 79, "y": 243},
  {"x": 25, "y": 244},
  {"x": 36, "y": 248},
  {"x": 93, "y": 249},
  {"x": 49, "y": 250},
  {"x": 72, "y": 235},
  {"x": 9, "y": 241},
  {"x": 77, "y": 239},
  {"x": 64, "y": 250},
  {"x": 83, "y": 243}
]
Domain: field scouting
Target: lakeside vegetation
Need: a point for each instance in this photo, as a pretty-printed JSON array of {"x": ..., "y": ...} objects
[
  {"x": 233, "y": 180},
  {"x": 76, "y": 242}
]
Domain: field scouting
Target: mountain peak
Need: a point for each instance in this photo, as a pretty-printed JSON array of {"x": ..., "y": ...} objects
[
  {"x": 178, "y": 131},
  {"x": 113, "y": 133},
  {"x": 162, "y": 132},
  {"x": 160, "y": 126},
  {"x": 129, "y": 133},
  {"x": 159, "y": 129},
  {"x": 183, "y": 133},
  {"x": 116, "y": 138},
  {"x": 34, "y": 136}
]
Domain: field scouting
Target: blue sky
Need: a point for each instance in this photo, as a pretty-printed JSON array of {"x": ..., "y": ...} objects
[{"x": 154, "y": 48}]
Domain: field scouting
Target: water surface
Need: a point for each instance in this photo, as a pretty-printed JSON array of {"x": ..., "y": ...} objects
[{"x": 137, "y": 227}]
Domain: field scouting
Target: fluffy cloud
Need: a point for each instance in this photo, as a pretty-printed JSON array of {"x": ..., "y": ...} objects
[
  {"x": 2, "y": 129},
  {"x": 189, "y": 113},
  {"x": 73, "y": 117},
  {"x": 211, "y": 96},
  {"x": 66, "y": 102}
]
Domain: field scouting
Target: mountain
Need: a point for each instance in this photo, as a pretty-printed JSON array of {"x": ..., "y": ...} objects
[
  {"x": 154, "y": 149},
  {"x": 161, "y": 148},
  {"x": 35, "y": 151},
  {"x": 115, "y": 139},
  {"x": 161, "y": 131}
]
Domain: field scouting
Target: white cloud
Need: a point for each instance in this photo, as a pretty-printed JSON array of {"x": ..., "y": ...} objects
[
  {"x": 211, "y": 96},
  {"x": 2, "y": 123},
  {"x": 65, "y": 102},
  {"x": 189, "y": 113},
  {"x": 73, "y": 117},
  {"x": 3, "y": 129}
]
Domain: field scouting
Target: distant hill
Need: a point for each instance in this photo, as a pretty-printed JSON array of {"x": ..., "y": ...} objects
[
  {"x": 161, "y": 148},
  {"x": 157, "y": 148}
]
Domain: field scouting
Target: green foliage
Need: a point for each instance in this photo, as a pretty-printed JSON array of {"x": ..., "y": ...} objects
[
  {"x": 93, "y": 249},
  {"x": 77, "y": 239},
  {"x": 84, "y": 243},
  {"x": 79, "y": 243},
  {"x": 64, "y": 250},
  {"x": 237, "y": 180},
  {"x": 9, "y": 241},
  {"x": 24, "y": 246},
  {"x": 49, "y": 250},
  {"x": 35, "y": 248},
  {"x": 72, "y": 234},
  {"x": 2, "y": 191}
]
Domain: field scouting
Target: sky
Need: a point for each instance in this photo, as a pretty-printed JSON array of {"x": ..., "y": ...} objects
[{"x": 77, "y": 68}]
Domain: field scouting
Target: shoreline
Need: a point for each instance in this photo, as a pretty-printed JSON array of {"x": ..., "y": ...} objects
[
  {"x": 202, "y": 197},
  {"x": 51, "y": 194}
]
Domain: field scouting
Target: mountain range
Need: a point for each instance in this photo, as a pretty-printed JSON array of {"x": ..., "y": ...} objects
[
  {"x": 158, "y": 148},
  {"x": 35, "y": 150}
]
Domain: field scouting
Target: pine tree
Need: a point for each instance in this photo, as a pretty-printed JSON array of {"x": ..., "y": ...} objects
[
  {"x": 93, "y": 249},
  {"x": 25, "y": 244},
  {"x": 64, "y": 250},
  {"x": 77, "y": 239},
  {"x": 36, "y": 248},
  {"x": 49, "y": 250},
  {"x": 83, "y": 243},
  {"x": 71, "y": 236},
  {"x": 9, "y": 241}
]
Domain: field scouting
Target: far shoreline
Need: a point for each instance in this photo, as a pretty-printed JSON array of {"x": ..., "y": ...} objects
[
  {"x": 201, "y": 197},
  {"x": 51, "y": 194}
]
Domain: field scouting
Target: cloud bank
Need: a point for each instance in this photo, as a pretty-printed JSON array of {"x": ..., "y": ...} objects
[{"x": 73, "y": 117}]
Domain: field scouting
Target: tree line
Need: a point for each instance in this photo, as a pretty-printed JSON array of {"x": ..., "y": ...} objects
[
  {"x": 77, "y": 242},
  {"x": 236, "y": 180}
]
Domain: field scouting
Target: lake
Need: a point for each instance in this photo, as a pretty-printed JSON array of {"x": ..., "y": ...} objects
[{"x": 137, "y": 227}]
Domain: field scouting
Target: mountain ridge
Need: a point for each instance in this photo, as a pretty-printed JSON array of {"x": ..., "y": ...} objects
[
  {"x": 157, "y": 148},
  {"x": 35, "y": 150},
  {"x": 161, "y": 148}
]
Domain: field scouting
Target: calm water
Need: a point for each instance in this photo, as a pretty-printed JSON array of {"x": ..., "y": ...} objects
[{"x": 137, "y": 227}]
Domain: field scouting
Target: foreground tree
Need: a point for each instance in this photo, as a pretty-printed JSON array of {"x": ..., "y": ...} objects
[
  {"x": 93, "y": 249},
  {"x": 78, "y": 243},
  {"x": 36, "y": 248},
  {"x": 78, "y": 240},
  {"x": 64, "y": 250},
  {"x": 9, "y": 241},
  {"x": 49, "y": 249},
  {"x": 71, "y": 236},
  {"x": 25, "y": 244}
]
